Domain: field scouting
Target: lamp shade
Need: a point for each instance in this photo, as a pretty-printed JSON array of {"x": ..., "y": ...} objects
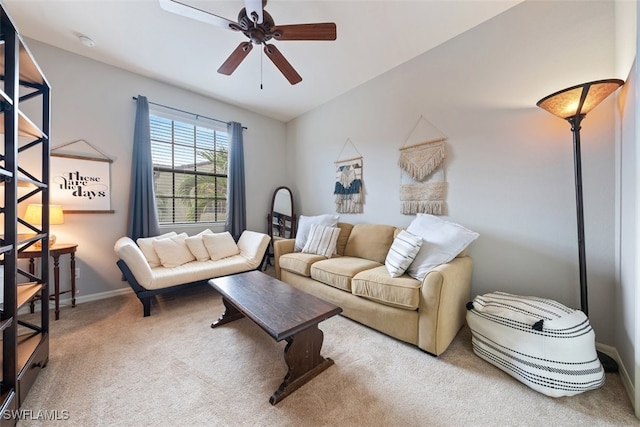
[
  {"x": 580, "y": 99},
  {"x": 33, "y": 214}
]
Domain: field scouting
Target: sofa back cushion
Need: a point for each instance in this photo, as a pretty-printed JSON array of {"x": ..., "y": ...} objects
[
  {"x": 370, "y": 241},
  {"x": 345, "y": 231}
]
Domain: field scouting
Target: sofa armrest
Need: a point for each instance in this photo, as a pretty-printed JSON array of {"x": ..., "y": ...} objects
[
  {"x": 253, "y": 246},
  {"x": 127, "y": 250},
  {"x": 281, "y": 247},
  {"x": 445, "y": 291}
]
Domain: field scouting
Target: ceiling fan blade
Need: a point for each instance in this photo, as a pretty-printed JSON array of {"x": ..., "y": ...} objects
[
  {"x": 321, "y": 31},
  {"x": 254, "y": 10},
  {"x": 236, "y": 57},
  {"x": 185, "y": 10},
  {"x": 283, "y": 65}
]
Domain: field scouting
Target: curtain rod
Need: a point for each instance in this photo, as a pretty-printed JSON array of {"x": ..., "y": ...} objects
[{"x": 135, "y": 98}]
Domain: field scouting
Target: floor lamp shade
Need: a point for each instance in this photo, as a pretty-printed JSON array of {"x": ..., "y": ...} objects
[
  {"x": 580, "y": 99},
  {"x": 573, "y": 104}
]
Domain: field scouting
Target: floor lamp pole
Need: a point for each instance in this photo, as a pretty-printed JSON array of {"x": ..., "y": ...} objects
[
  {"x": 608, "y": 364},
  {"x": 577, "y": 167}
]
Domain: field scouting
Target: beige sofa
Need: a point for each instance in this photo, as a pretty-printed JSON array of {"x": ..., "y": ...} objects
[{"x": 427, "y": 314}]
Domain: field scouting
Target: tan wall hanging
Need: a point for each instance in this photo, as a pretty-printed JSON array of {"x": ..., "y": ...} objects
[{"x": 423, "y": 188}]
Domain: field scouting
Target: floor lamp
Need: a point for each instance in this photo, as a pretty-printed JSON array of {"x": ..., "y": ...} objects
[{"x": 573, "y": 104}]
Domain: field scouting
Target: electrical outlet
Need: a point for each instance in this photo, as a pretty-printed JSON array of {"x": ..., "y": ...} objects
[{"x": 77, "y": 273}]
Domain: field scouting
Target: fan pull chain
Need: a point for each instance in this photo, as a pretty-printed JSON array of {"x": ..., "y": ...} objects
[{"x": 261, "y": 57}]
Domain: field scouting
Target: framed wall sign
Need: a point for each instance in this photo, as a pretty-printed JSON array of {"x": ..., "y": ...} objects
[{"x": 81, "y": 184}]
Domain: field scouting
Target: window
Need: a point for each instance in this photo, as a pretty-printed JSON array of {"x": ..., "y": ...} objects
[{"x": 190, "y": 171}]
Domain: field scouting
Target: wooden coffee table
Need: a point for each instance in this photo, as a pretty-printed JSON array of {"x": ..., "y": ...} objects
[{"x": 283, "y": 312}]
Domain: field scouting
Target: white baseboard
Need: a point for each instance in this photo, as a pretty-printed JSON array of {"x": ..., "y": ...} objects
[
  {"x": 624, "y": 375},
  {"x": 66, "y": 301}
]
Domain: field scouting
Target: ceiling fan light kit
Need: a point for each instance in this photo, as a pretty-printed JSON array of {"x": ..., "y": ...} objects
[{"x": 259, "y": 27}]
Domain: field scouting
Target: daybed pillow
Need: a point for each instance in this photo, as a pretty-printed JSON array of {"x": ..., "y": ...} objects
[
  {"x": 322, "y": 240},
  {"x": 146, "y": 246},
  {"x": 173, "y": 251},
  {"x": 220, "y": 245},
  {"x": 403, "y": 251},
  {"x": 304, "y": 226},
  {"x": 441, "y": 242},
  {"x": 196, "y": 245}
]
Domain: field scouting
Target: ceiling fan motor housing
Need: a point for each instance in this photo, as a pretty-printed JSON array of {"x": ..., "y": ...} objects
[{"x": 257, "y": 33}]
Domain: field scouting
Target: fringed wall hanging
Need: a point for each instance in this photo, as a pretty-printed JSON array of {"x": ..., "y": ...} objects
[
  {"x": 423, "y": 187},
  {"x": 349, "y": 187}
]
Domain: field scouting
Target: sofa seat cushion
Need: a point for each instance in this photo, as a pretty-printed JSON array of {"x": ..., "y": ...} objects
[
  {"x": 337, "y": 272},
  {"x": 299, "y": 263},
  {"x": 377, "y": 285}
]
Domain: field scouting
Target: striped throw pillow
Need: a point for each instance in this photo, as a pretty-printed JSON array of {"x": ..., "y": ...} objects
[
  {"x": 322, "y": 240},
  {"x": 403, "y": 251}
]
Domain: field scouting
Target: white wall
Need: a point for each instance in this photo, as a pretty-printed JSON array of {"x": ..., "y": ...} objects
[
  {"x": 93, "y": 101},
  {"x": 509, "y": 164},
  {"x": 625, "y": 316}
]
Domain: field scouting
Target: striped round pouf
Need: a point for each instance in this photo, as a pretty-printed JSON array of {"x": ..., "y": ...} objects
[{"x": 540, "y": 342}]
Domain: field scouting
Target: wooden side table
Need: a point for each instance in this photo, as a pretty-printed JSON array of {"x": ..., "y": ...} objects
[{"x": 55, "y": 251}]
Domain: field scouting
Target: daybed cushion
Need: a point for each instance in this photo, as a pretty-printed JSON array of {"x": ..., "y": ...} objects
[
  {"x": 220, "y": 245},
  {"x": 196, "y": 245},
  {"x": 337, "y": 272},
  {"x": 146, "y": 246},
  {"x": 377, "y": 285},
  {"x": 370, "y": 241},
  {"x": 299, "y": 263},
  {"x": 196, "y": 271},
  {"x": 173, "y": 251}
]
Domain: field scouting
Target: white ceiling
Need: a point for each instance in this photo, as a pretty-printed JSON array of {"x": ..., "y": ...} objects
[{"x": 137, "y": 35}]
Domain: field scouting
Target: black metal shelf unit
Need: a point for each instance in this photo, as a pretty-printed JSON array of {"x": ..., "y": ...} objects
[{"x": 24, "y": 178}]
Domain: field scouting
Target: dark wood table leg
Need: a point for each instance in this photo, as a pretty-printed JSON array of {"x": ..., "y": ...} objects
[
  {"x": 73, "y": 279},
  {"x": 231, "y": 313},
  {"x": 56, "y": 283},
  {"x": 303, "y": 358}
]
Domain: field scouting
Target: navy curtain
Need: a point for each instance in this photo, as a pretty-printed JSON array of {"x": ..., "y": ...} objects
[
  {"x": 143, "y": 216},
  {"x": 236, "y": 221}
]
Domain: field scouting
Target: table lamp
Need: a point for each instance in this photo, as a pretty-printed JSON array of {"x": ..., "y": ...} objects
[{"x": 33, "y": 215}]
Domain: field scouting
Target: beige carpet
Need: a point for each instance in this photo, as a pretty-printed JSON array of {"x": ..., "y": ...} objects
[{"x": 109, "y": 366}]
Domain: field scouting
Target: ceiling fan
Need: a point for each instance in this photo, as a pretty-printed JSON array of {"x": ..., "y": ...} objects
[{"x": 255, "y": 23}]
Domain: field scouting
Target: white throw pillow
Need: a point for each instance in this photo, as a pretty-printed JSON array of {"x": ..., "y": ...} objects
[
  {"x": 173, "y": 251},
  {"x": 403, "y": 251},
  {"x": 304, "y": 226},
  {"x": 146, "y": 246},
  {"x": 322, "y": 240},
  {"x": 196, "y": 245},
  {"x": 220, "y": 245},
  {"x": 442, "y": 241}
]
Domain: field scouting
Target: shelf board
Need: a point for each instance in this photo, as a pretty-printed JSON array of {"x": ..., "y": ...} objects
[
  {"x": 27, "y": 291},
  {"x": 23, "y": 181},
  {"x": 26, "y": 127},
  {"x": 27, "y": 345},
  {"x": 29, "y": 70}
]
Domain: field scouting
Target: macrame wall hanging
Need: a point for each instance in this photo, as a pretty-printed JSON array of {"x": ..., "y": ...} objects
[
  {"x": 423, "y": 187},
  {"x": 349, "y": 188}
]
